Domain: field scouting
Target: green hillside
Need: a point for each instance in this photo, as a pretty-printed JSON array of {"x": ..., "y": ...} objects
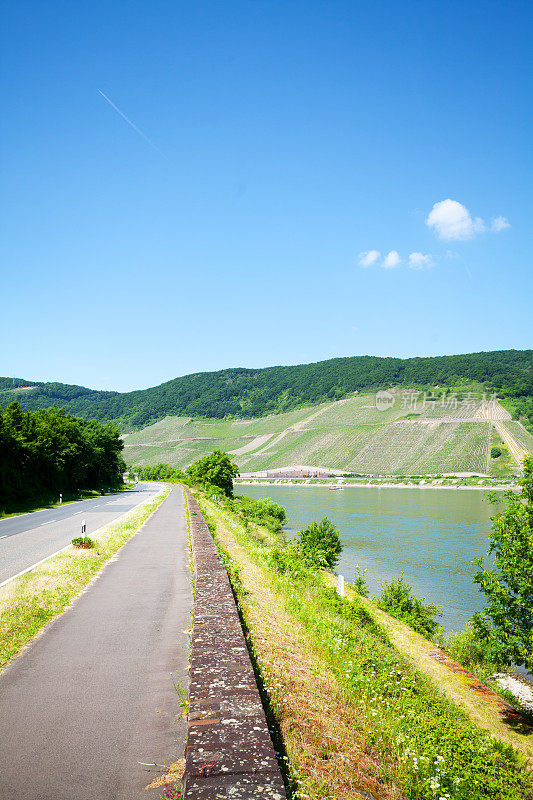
[
  {"x": 251, "y": 393},
  {"x": 349, "y": 434}
]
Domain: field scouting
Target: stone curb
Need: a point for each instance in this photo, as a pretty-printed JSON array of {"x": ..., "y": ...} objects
[{"x": 229, "y": 749}]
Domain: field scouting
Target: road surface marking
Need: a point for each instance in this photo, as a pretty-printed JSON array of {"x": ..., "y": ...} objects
[{"x": 24, "y": 571}]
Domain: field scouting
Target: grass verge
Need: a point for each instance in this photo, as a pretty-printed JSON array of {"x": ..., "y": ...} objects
[
  {"x": 355, "y": 714},
  {"x": 29, "y": 602}
]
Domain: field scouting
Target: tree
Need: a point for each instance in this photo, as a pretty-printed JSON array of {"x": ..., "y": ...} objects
[
  {"x": 48, "y": 451},
  {"x": 216, "y": 469},
  {"x": 321, "y": 541},
  {"x": 506, "y": 623}
]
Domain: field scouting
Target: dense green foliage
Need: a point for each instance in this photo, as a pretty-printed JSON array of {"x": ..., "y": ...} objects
[
  {"x": 398, "y": 600},
  {"x": 260, "y": 512},
  {"x": 471, "y": 651},
  {"x": 159, "y": 472},
  {"x": 359, "y": 582},
  {"x": 523, "y": 409},
  {"x": 321, "y": 542},
  {"x": 50, "y": 451},
  {"x": 243, "y": 392},
  {"x": 440, "y": 754},
  {"x": 215, "y": 470},
  {"x": 506, "y": 623}
]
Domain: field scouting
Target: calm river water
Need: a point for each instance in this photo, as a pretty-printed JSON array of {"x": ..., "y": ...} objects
[{"x": 429, "y": 534}]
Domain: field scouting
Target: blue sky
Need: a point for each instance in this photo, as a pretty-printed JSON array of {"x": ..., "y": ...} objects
[{"x": 285, "y": 143}]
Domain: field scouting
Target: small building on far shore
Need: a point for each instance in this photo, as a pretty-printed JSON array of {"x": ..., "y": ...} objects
[{"x": 298, "y": 471}]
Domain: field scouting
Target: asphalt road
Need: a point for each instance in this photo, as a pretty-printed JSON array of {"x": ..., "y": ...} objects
[
  {"x": 92, "y": 696},
  {"x": 28, "y": 538}
]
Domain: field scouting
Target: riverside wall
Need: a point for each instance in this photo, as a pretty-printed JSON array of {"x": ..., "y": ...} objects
[{"x": 229, "y": 749}]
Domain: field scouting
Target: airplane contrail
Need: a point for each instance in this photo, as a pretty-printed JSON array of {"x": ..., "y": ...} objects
[{"x": 135, "y": 128}]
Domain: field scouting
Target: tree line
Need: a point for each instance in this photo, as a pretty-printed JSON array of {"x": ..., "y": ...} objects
[
  {"x": 241, "y": 392},
  {"x": 214, "y": 473},
  {"x": 49, "y": 451}
]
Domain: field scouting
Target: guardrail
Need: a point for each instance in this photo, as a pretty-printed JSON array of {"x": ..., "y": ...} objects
[{"x": 229, "y": 749}]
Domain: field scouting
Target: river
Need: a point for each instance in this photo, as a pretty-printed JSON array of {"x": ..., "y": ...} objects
[{"x": 429, "y": 534}]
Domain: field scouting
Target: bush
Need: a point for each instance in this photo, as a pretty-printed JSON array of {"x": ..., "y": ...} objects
[
  {"x": 398, "y": 600},
  {"x": 285, "y": 560},
  {"x": 83, "y": 542},
  {"x": 470, "y": 650},
  {"x": 359, "y": 583},
  {"x": 320, "y": 542},
  {"x": 495, "y": 452},
  {"x": 262, "y": 512}
]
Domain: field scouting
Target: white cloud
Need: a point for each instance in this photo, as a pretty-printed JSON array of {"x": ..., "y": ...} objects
[
  {"x": 391, "y": 260},
  {"x": 420, "y": 261},
  {"x": 451, "y": 220},
  {"x": 368, "y": 258},
  {"x": 499, "y": 224}
]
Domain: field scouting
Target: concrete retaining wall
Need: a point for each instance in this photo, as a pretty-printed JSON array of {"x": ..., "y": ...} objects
[{"x": 229, "y": 749}]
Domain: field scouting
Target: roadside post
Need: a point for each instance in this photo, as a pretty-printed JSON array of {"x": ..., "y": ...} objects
[
  {"x": 340, "y": 587},
  {"x": 83, "y": 528}
]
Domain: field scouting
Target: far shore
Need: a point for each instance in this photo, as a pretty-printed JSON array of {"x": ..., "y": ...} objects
[{"x": 290, "y": 484}]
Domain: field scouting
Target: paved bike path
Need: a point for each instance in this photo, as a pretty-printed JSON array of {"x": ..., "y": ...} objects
[{"x": 92, "y": 697}]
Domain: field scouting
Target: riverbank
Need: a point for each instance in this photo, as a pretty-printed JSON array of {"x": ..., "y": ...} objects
[
  {"x": 336, "y": 486},
  {"x": 355, "y": 715}
]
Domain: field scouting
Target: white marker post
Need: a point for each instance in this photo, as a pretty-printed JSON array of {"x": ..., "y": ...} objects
[
  {"x": 340, "y": 587},
  {"x": 60, "y": 498},
  {"x": 83, "y": 528}
]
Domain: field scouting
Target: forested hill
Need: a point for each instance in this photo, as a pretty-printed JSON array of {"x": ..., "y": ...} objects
[{"x": 240, "y": 392}]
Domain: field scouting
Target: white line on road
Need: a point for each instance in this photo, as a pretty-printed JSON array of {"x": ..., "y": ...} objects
[
  {"x": 24, "y": 571},
  {"x": 41, "y": 510}
]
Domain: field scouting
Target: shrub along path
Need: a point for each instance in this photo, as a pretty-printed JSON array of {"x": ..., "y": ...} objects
[{"x": 92, "y": 696}]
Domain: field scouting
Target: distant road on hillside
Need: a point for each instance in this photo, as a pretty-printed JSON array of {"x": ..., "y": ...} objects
[{"x": 29, "y": 538}]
